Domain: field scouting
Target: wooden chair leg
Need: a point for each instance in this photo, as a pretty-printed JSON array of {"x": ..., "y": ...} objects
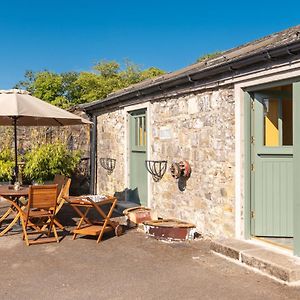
[
  {"x": 12, "y": 223},
  {"x": 58, "y": 224},
  {"x": 55, "y": 234},
  {"x": 6, "y": 214},
  {"x": 25, "y": 236},
  {"x": 50, "y": 226}
]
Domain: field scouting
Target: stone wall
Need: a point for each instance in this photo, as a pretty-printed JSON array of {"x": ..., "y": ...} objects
[
  {"x": 111, "y": 144},
  {"x": 198, "y": 128}
]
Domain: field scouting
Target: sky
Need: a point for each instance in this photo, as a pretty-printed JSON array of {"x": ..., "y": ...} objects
[{"x": 66, "y": 35}]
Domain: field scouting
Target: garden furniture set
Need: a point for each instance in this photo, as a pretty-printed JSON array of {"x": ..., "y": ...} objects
[
  {"x": 19, "y": 108},
  {"x": 38, "y": 214}
]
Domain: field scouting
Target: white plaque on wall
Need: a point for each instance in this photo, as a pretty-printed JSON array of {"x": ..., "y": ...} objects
[{"x": 165, "y": 133}]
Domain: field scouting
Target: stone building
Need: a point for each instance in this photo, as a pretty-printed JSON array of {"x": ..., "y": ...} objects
[{"x": 234, "y": 119}]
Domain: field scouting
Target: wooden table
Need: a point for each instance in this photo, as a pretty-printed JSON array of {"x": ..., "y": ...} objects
[
  {"x": 12, "y": 196},
  {"x": 95, "y": 228}
]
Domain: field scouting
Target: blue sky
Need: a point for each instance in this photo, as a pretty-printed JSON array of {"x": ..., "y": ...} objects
[{"x": 73, "y": 35}]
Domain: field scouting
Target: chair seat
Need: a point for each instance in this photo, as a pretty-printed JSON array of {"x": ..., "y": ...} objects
[{"x": 39, "y": 213}]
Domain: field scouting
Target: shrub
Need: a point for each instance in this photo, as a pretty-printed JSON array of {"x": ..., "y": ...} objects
[
  {"x": 44, "y": 161},
  {"x": 208, "y": 56},
  {"x": 6, "y": 164}
]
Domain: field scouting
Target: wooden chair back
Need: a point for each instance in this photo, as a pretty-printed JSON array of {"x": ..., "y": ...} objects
[
  {"x": 62, "y": 197},
  {"x": 42, "y": 196},
  {"x": 60, "y": 180}
]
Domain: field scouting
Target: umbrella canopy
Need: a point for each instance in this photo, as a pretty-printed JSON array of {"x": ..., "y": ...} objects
[
  {"x": 31, "y": 111},
  {"x": 19, "y": 108}
]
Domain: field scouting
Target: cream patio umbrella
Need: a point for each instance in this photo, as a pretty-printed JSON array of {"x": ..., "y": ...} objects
[{"x": 19, "y": 108}]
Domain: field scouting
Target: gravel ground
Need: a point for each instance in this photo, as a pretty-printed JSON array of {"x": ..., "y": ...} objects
[{"x": 131, "y": 266}]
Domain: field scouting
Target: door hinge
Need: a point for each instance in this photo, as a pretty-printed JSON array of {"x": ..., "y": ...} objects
[
  {"x": 252, "y": 105},
  {"x": 252, "y": 167},
  {"x": 252, "y": 140},
  {"x": 252, "y": 214}
]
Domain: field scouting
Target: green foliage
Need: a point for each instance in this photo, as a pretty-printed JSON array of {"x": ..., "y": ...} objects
[
  {"x": 208, "y": 56},
  {"x": 72, "y": 88},
  {"x": 57, "y": 89},
  {"x": 44, "y": 161},
  {"x": 6, "y": 164}
]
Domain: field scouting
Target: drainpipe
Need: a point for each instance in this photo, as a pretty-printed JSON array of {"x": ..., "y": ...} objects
[{"x": 93, "y": 154}]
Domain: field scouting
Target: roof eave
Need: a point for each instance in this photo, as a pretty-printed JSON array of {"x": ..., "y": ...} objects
[{"x": 198, "y": 73}]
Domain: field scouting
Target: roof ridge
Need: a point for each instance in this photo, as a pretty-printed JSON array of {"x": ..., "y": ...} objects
[{"x": 259, "y": 45}]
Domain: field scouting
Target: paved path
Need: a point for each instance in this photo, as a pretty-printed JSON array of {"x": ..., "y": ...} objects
[{"x": 127, "y": 267}]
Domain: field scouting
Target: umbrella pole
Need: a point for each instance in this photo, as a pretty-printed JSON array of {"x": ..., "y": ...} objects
[{"x": 16, "y": 149}]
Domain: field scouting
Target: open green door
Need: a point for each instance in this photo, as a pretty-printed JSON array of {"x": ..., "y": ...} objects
[
  {"x": 296, "y": 159},
  {"x": 138, "y": 155},
  {"x": 272, "y": 162}
]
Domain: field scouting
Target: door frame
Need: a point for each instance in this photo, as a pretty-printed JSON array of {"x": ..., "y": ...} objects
[
  {"x": 242, "y": 96},
  {"x": 127, "y": 111}
]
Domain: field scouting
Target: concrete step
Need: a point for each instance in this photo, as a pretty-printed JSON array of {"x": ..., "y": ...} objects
[{"x": 280, "y": 266}]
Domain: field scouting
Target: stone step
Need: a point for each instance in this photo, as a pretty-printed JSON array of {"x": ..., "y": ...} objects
[{"x": 280, "y": 266}]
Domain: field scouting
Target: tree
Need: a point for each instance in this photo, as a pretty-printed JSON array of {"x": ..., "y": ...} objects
[
  {"x": 71, "y": 88},
  {"x": 57, "y": 89},
  {"x": 27, "y": 83}
]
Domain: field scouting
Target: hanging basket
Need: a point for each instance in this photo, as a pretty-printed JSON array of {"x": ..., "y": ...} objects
[
  {"x": 108, "y": 164},
  {"x": 157, "y": 168}
]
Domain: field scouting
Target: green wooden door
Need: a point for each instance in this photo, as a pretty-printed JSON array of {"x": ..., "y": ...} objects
[
  {"x": 138, "y": 155},
  {"x": 272, "y": 163}
]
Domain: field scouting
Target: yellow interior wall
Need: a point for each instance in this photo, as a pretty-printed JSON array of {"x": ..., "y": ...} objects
[{"x": 271, "y": 125}]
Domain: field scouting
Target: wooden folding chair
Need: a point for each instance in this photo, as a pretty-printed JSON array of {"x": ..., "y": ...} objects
[
  {"x": 61, "y": 200},
  {"x": 63, "y": 195},
  {"x": 40, "y": 210}
]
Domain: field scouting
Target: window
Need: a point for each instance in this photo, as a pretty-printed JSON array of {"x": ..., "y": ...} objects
[{"x": 278, "y": 119}]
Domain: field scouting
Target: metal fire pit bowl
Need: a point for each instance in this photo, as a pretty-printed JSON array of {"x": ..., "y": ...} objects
[{"x": 170, "y": 229}]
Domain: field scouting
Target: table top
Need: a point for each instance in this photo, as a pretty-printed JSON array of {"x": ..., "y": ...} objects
[
  {"x": 84, "y": 200},
  {"x": 8, "y": 190}
]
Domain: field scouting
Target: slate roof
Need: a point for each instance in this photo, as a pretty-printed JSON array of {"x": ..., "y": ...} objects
[{"x": 264, "y": 46}]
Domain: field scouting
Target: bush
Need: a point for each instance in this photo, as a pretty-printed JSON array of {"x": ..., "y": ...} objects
[
  {"x": 44, "y": 161},
  {"x": 6, "y": 164}
]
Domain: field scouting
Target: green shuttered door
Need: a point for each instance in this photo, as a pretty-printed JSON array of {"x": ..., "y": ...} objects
[
  {"x": 138, "y": 155},
  {"x": 272, "y": 164}
]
